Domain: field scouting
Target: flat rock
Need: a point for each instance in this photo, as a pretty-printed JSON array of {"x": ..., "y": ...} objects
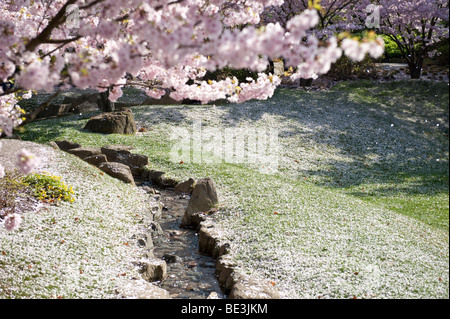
[
  {"x": 83, "y": 152},
  {"x": 246, "y": 287},
  {"x": 121, "y": 154},
  {"x": 118, "y": 170},
  {"x": 112, "y": 151},
  {"x": 66, "y": 145},
  {"x": 96, "y": 159},
  {"x": 134, "y": 161}
]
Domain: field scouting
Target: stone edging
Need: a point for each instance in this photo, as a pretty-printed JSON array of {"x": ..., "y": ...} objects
[{"x": 233, "y": 282}]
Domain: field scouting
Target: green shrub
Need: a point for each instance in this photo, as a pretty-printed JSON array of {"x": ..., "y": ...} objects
[
  {"x": 391, "y": 51},
  {"x": 49, "y": 188}
]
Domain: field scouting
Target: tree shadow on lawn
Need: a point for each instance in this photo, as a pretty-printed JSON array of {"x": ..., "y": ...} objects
[
  {"x": 155, "y": 114},
  {"x": 379, "y": 136}
]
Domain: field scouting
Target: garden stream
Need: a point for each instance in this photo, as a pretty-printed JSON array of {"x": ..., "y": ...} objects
[{"x": 190, "y": 275}]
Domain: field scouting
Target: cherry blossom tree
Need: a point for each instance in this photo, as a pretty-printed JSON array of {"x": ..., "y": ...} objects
[
  {"x": 334, "y": 15},
  {"x": 416, "y": 26},
  {"x": 168, "y": 45},
  {"x": 163, "y": 47},
  {"x": 336, "y": 18}
]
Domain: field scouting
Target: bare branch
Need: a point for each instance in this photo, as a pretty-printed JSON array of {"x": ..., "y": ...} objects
[
  {"x": 56, "y": 21},
  {"x": 31, "y": 116}
]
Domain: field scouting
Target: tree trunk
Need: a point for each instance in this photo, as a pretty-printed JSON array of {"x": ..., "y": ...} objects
[
  {"x": 271, "y": 67},
  {"x": 103, "y": 103},
  {"x": 306, "y": 82},
  {"x": 415, "y": 69}
]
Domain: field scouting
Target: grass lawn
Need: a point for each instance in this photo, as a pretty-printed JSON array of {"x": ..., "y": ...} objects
[
  {"x": 355, "y": 204},
  {"x": 78, "y": 250}
]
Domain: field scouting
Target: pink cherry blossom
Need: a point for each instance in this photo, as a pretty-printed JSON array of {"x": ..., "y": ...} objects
[
  {"x": 26, "y": 161},
  {"x": 155, "y": 40},
  {"x": 115, "y": 93},
  {"x": 12, "y": 221},
  {"x": 2, "y": 169},
  {"x": 7, "y": 68}
]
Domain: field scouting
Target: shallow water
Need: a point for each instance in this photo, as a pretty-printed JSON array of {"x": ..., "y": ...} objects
[{"x": 190, "y": 274}]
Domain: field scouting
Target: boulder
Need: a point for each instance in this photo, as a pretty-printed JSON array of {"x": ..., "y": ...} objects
[
  {"x": 145, "y": 241},
  {"x": 112, "y": 123},
  {"x": 156, "y": 211},
  {"x": 203, "y": 198},
  {"x": 224, "y": 269},
  {"x": 118, "y": 170},
  {"x": 134, "y": 161},
  {"x": 186, "y": 186},
  {"x": 66, "y": 145},
  {"x": 206, "y": 239},
  {"x": 83, "y": 152},
  {"x": 96, "y": 159},
  {"x": 155, "y": 229}
]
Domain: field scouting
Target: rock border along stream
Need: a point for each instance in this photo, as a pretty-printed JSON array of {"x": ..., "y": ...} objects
[{"x": 183, "y": 254}]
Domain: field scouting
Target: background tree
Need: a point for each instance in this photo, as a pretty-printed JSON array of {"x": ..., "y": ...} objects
[
  {"x": 335, "y": 18},
  {"x": 415, "y": 26},
  {"x": 334, "y": 15}
]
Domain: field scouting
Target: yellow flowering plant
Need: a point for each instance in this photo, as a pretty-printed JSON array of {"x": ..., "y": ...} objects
[{"x": 49, "y": 188}]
